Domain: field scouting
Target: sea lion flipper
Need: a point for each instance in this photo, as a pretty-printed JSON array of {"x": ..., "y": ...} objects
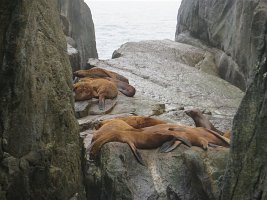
[
  {"x": 166, "y": 145},
  {"x": 204, "y": 143},
  {"x": 184, "y": 141},
  {"x": 136, "y": 153},
  {"x": 213, "y": 145},
  {"x": 101, "y": 103},
  {"x": 169, "y": 146}
]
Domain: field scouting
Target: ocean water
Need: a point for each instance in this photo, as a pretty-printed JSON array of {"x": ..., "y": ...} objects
[{"x": 118, "y": 22}]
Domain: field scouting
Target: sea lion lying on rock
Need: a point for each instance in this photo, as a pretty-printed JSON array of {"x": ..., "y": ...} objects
[
  {"x": 95, "y": 88},
  {"x": 135, "y": 121},
  {"x": 152, "y": 137},
  {"x": 198, "y": 136},
  {"x": 119, "y": 131},
  {"x": 123, "y": 87},
  {"x": 99, "y": 73}
]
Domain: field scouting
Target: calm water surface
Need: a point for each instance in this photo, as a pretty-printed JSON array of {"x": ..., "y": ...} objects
[{"x": 117, "y": 22}]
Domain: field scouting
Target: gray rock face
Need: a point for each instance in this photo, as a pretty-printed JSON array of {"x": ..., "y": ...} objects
[
  {"x": 39, "y": 144},
  {"x": 246, "y": 172},
  {"x": 235, "y": 27},
  {"x": 78, "y": 24},
  {"x": 167, "y": 82}
]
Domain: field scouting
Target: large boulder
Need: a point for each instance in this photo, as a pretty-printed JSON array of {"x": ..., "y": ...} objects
[
  {"x": 235, "y": 27},
  {"x": 39, "y": 143},
  {"x": 166, "y": 72},
  {"x": 246, "y": 172},
  {"x": 77, "y": 22},
  {"x": 167, "y": 81}
]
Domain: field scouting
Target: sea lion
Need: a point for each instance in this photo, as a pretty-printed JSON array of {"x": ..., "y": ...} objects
[
  {"x": 123, "y": 87},
  {"x": 197, "y": 136},
  {"x": 201, "y": 121},
  {"x": 110, "y": 125},
  {"x": 135, "y": 121},
  {"x": 120, "y": 131},
  {"x": 99, "y": 73},
  {"x": 95, "y": 88}
]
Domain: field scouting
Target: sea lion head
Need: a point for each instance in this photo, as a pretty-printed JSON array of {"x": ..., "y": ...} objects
[
  {"x": 193, "y": 113},
  {"x": 83, "y": 91}
]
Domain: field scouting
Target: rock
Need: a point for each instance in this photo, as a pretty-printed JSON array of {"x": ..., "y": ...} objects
[
  {"x": 161, "y": 75},
  {"x": 74, "y": 57},
  {"x": 80, "y": 27},
  {"x": 183, "y": 174},
  {"x": 167, "y": 81},
  {"x": 36, "y": 105},
  {"x": 245, "y": 177},
  {"x": 235, "y": 27},
  {"x": 90, "y": 107},
  {"x": 222, "y": 65}
]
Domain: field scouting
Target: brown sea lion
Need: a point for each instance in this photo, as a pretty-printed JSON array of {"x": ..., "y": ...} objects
[
  {"x": 201, "y": 121},
  {"x": 95, "y": 88},
  {"x": 123, "y": 87},
  {"x": 136, "y": 140},
  {"x": 99, "y": 73},
  {"x": 113, "y": 124},
  {"x": 135, "y": 121},
  {"x": 198, "y": 136}
]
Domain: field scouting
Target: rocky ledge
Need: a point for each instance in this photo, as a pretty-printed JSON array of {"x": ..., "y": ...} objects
[{"x": 169, "y": 79}]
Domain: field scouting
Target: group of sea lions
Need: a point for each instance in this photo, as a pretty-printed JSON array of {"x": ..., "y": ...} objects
[
  {"x": 137, "y": 131},
  {"x": 100, "y": 83},
  {"x": 149, "y": 133}
]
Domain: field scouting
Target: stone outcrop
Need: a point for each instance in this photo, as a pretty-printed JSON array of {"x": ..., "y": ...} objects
[
  {"x": 167, "y": 81},
  {"x": 39, "y": 144},
  {"x": 77, "y": 23},
  {"x": 236, "y": 27},
  {"x": 246, "y": 172}
]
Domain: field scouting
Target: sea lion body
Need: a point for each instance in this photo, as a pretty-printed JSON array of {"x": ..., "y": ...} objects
[
  {"x": 132, "y": 138},
  {"x": 95, "y": 88},
  {"x": 201, "y": 121},
  {"x": 99, "y": 73},
  {"x": 119, "y": 131},
  {"x": 205, "y": 136},
  {"x": 166, "y": 136},
  {"x": 135, "y": 121}
]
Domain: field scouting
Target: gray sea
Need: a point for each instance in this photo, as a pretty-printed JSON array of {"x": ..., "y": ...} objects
[{"x": 118, "y": 22}]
